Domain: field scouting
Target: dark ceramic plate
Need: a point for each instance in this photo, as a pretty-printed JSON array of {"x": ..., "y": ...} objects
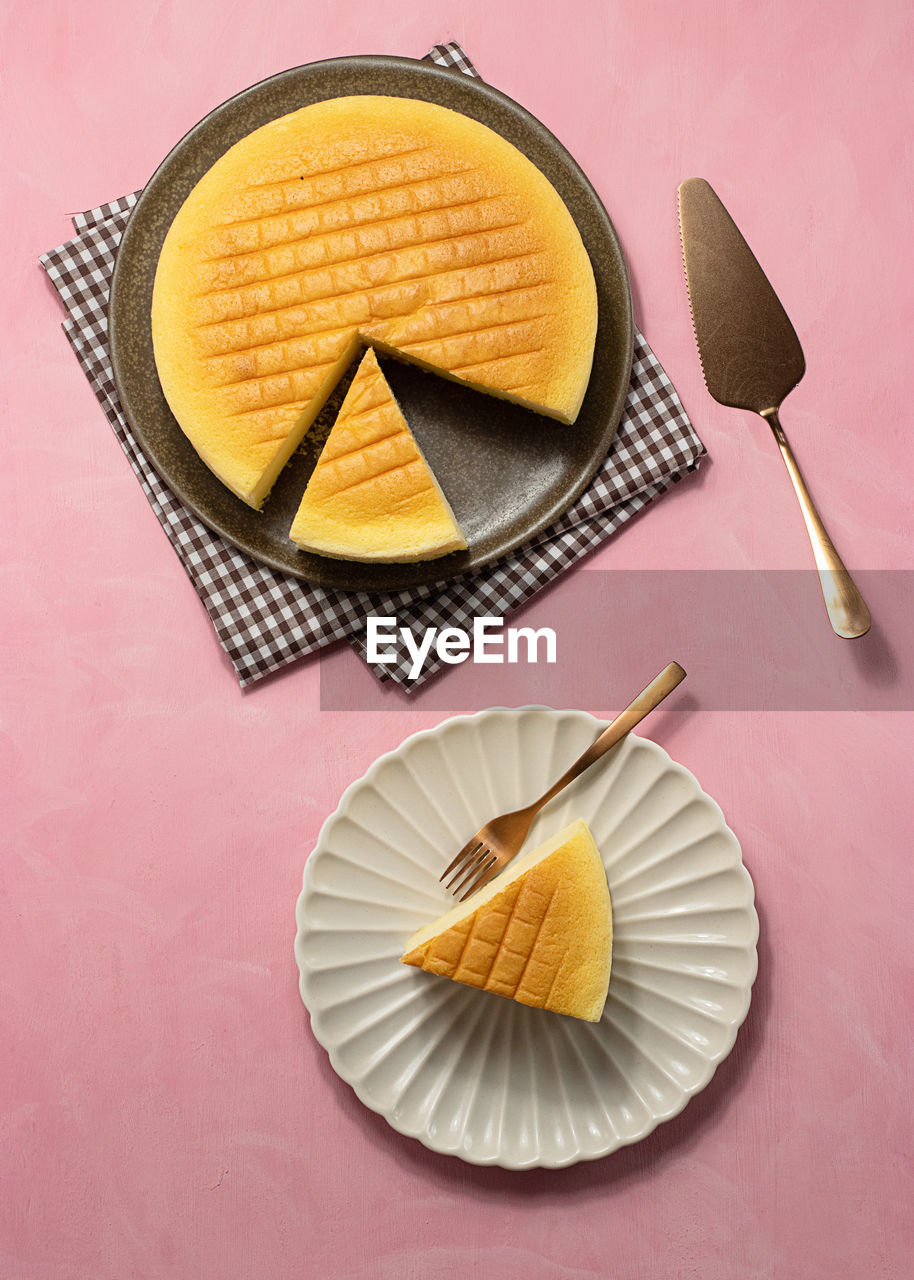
[{"x": 507, "y": 472}]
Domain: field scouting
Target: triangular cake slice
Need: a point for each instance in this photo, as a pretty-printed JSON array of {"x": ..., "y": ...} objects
[
  {"x": 372, "y": 495},
  {"x": 539, "y": 933}
]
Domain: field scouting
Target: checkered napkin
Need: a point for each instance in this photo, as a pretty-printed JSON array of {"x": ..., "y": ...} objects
[{"x": 265, "y": 619}]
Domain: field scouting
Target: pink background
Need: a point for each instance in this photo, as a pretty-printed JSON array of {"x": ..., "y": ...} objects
[{"x": 164, "y": 1109}]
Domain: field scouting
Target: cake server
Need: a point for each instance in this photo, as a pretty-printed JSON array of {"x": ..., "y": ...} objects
[{"x": 751, "y": 358}]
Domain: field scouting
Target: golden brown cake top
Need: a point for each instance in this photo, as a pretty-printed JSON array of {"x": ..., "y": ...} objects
[
  {"x": 540, "y": 933},
  {"x": 372, "y": 495},
  {"x": 389, "y": 220}
]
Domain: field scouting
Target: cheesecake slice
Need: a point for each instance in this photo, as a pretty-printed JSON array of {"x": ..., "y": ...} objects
[
  {"x": 372, "y": 495},
  {"x": 539, "y": 933}
]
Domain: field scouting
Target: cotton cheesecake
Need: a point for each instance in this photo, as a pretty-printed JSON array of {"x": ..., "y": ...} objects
[
  {"x": 372, "y": 495},
  {"x": 539, "y": 933},
  {"x": 363, "y": 220}
]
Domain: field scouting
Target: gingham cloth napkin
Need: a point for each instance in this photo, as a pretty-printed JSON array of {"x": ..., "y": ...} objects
[{"x": 265, "y": 619}]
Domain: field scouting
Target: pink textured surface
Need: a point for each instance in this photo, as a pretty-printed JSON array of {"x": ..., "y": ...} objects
[{"x": 164, "y": 1110}]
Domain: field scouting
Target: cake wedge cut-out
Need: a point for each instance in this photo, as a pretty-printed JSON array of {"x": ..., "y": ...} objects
[
  {"x": 539, "y": 933},
  {"x": 372, "y": 495}
]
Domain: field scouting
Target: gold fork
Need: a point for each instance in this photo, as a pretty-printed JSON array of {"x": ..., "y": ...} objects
[{"x": 498, "y": 841}]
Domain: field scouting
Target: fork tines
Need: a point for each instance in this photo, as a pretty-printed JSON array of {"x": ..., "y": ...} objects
[{"x": 471, "y": 869}]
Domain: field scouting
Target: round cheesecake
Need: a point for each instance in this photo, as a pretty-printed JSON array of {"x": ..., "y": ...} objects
[{"x": 357, "y": 221}]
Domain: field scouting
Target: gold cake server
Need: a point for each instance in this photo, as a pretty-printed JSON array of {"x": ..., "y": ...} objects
[{"x": 751, "y": 358}]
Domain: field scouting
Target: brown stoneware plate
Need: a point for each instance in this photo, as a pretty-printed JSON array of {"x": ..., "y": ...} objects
[{"x": 508, "y": 473}]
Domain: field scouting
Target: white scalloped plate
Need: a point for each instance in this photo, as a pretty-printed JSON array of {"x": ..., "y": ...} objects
[{"x": 475, "y": 1075}]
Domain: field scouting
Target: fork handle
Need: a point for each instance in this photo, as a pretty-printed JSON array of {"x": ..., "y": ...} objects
[{"x": 634, "y": 713}]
